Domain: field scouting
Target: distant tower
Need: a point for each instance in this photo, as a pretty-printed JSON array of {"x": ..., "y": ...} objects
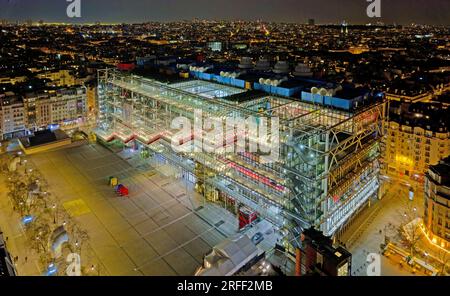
[
  {"x": 311, "y": 22},
  {"x": 344, "y": 28}
]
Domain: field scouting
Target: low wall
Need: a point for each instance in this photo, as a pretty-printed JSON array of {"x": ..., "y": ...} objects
[{"x": 45, "y": 147}]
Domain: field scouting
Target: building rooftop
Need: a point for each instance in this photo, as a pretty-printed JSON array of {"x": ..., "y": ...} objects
[
  {"x": 228, "y": 257},
  {"x": 324, "y": 245},
  {"x": 429, "y": 116},
  {"x": 43, "y": 137},
  {"x": 9, "y": 98},
  {"x": 442, "y": 169},
  {"x": 444, "y": 98}
]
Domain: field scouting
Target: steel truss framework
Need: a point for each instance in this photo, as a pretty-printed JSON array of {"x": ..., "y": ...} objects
[{"x": 328, "y": 164}]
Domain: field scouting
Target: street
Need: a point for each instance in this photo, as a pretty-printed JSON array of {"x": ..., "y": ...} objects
[{"x": 383, "y": 219}]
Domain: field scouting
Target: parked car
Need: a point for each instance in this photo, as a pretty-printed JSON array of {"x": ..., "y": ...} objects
[{"x": 257, "y": 238}]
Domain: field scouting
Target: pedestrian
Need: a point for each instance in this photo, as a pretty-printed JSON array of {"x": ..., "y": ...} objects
[
  {"x": 7, "y": 238},
  {"x": 26, "y": 259}
]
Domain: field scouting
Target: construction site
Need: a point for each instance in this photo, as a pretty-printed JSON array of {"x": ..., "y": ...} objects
[{"x": 327, "y": 164}]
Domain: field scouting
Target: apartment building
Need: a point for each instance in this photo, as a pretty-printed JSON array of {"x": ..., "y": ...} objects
[
  {"x": 12, "y": 80},
  {"x": 12, "y": 116},
  {"x": 415, "y": 139},
  {"x": 64, "y": 107},
  {"x": 437, "y": 203},
  {"x": 91, "y": 97},
  {"x": 58, "y": 78},
  {"x": 410, "y": 98}
]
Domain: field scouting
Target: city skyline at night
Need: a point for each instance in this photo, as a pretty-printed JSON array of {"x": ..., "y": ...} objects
[{"x": 434, "y": 12}]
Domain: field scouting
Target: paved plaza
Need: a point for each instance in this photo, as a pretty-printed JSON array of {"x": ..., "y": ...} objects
[
  {"x": 157, "y": 230},
  {"x": 383, "y": 218}
]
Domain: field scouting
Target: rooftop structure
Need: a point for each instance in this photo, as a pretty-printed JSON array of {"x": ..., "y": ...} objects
[
  {"x": 281, "y": 67},
  {"x": 262, "y": 65},
  {"x": 43, "y": 141},
  {"x": 318, "y": 256},
  {"x": 229, "y": 257},
  {"x": 327, "y": 166},
  {"x": 302, "y": 70},
  {"x": 246, "y": 63}
]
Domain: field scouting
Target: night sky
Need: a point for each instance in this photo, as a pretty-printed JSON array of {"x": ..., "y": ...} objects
[{"x": 436, "y": 12}]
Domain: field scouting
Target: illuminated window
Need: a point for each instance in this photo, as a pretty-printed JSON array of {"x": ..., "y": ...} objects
[{"x": 343, "y": 271}]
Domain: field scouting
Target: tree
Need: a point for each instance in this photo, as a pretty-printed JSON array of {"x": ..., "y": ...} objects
[
  {"x": 410, "y": 229},
  {"x": 4, "y": 161},
  {"x": 18, "y": 193},
  {"x": 24, "y": 195},
  {"x": 40, "y": 233},
  {"x": 29, "y": 195}
]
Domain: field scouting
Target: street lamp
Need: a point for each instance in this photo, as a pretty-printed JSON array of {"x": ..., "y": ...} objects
[
  {"x": 38, "y": 239},
  {"x": 78, "y": 247},
  {"x": 54, "y": 213},
  {"x": 385, "y": 235},
  {"x": 93, "y": 269}
]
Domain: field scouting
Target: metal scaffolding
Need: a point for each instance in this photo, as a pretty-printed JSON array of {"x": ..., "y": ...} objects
[{"x": 328, "y": 160}]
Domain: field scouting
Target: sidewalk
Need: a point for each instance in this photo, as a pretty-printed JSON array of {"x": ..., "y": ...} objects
[{"x": 369, "y": 231}]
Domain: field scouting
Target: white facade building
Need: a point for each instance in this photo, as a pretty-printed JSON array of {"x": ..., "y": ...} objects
[
  {"x": 12, "y": 118},
  {"x": 63, "y": 107}
]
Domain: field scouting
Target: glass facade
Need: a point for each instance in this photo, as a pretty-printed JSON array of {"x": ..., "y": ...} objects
[{"x": 327, "y": 165}]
